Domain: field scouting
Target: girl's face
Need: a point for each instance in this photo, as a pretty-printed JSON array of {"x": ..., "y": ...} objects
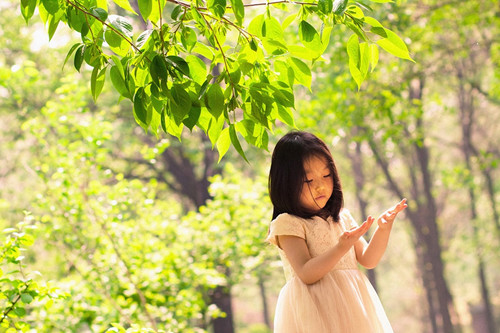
[{"x": 318, "y": 185}]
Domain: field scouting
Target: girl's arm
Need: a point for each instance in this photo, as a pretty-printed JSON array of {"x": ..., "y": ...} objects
[
  {"x": 309, "y": 269},
  {"x": 369, "y": 255}
]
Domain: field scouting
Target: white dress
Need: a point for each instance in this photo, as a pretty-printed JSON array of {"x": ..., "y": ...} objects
[{"x": 343, "y": 301}]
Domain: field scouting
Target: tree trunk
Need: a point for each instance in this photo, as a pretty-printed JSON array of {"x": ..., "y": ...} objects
[
  {"x": 265, "y": 307},
  {"x": 222, "y": 298},
  {"x": 466, "y": 106},
  {"x": 422, "y": 214}
]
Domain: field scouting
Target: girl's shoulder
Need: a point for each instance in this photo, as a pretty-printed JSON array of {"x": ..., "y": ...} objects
[{"x": 286, "y": 217}]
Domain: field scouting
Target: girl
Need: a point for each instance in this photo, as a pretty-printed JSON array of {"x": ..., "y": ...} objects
[{"x": 319, "y": 244}]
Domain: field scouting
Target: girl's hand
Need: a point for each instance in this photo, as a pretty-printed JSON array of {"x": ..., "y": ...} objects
[
  {"x": 350, "y": 237},
  {"x": 387, "y": 218}
]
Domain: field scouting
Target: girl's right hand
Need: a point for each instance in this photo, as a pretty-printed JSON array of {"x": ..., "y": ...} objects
[{"x": 350, "y": 237}]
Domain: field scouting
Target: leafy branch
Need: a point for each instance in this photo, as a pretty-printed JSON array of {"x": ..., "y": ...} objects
[{"x": 116, "y": 31}]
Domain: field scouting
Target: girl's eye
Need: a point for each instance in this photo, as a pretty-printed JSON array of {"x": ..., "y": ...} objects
[
  {"x": 328, "y": 175},
  {"x": 308, "y": 181}
]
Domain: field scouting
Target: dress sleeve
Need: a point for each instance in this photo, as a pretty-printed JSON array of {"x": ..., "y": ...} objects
[{"x": 285, "y": 224}]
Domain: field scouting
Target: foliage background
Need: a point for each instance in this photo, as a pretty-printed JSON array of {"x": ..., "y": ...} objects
[{"x": 115, "y": 239}]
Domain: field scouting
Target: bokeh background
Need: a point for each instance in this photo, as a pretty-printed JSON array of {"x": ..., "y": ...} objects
[{"x": 109, "y": 228}]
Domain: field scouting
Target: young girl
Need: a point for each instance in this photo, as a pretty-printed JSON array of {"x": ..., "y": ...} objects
[{"x": 319, "y": 244}]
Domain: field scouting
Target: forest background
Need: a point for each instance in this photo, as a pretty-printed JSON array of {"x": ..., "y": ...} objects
[{"x": 110, "y": 228}]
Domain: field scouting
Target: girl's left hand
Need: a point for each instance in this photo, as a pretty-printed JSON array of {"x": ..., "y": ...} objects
[{"x": 387, "y": 218}]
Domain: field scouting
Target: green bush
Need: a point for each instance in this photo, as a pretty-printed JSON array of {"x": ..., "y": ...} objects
[{"x": 19, "y": 290}]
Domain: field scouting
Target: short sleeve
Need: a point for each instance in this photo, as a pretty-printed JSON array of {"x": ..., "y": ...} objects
[
  {"x": 348, "y": 219},
  {"x": 285, "y": 224}
]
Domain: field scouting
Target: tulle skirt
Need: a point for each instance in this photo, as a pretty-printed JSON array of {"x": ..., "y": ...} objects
[{"x": 343, "y": 301}]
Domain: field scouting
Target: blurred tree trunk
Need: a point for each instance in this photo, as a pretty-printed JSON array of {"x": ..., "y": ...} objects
[
  {"x": 221, "y": 296},
  {"x": 265, "y": 307},
  {"x": 422, "y": 214},
  {"x": 467, "y": 111},
  {"x": 190, "y": 180},
  {"x": 196, "y": 189}
]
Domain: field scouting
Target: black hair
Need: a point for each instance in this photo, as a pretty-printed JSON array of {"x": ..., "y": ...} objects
[{"x": 287, "y": 175}]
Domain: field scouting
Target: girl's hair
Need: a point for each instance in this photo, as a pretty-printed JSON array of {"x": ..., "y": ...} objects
[{"x": 287, "y": 175}]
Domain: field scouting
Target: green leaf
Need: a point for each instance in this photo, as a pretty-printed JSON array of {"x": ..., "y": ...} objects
[
  {"x": 101, "y": 13},
  {"x": 97, "y": 81},
  {"x": 394, "y": 45},
  {"x": 376, "y": 26},
  {"x": 255, "y": 26},
  {"x": 70, "y": 52},
  {"x": 253, "y": 133},
  {"x": 223, "y": 143},
  {"x": 78, "y": 60},
  {"x": 125, "y": 4},
  {"x": 19, "y": 311},
  {"x": 193, "y": 116},
  {"x": 309, "y": 37},
  {"x": 374, "y": 54},
  {"x": 285, "y": 115},
  {"x": 140, "y": 111},
  {"x": 76, "y": 19},
  {"x": 284, "y": 97},
  {"x": 51, "y": 6},
  {"x": 179, "y": 64},
  {"x": 188, "y": 38},
  {"x": 286, "y": 72},
  {"x": 364, "y": 62},
  {"x": 176, "y": 12},
  {"x": 215, "y": 100},
  {"x": 182, "y": 103},
  {"x": 155, "y": 121},
  {"x": 339, "y": 6},
  {"x": 238, "y": 10},
  {"x": 236, "y": 142},
  {"x": 119, "y": 40},
  {"x": 197, "y": 69},
  {"x": 28, "y": 8},
  {"x": 214, "y": 129},
  {"x": 143, "y": 38},
  {"x": 145, "y": 7},
  {"x": 158, "y": 70},
  {"x": 325, "y": 6},
  {"x": 170, "y": 127},
  {"x": 157, "y": 8},
  {"x": 302, "y": 72},
  {"x": 355, "y": 12},
  {"x": 26, "y": 298},
  {"x": 381, "y": 1},
  {"x": 325, "y": 38},
  {"x": 217, "y": 7},
  {"x": 271, "y": 28},
  {"x": 119, "y": 82},
  {"x": 353, "y": 51},
  {"x": 302, "y": 52}
]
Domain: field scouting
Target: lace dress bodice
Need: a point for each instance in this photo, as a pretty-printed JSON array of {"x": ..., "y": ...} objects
[{"x": 319, "y": 234}]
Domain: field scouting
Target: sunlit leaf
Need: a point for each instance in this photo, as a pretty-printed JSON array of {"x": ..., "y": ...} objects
[
  {"x": 302, "y": 72},
  {"x": 238, "y": 10},
  {"x": 223, "y": 143},
  {"x": 236, "y": 142},
  {"x": 125, "y": 4},
  {"x": 97, "y": 81}
]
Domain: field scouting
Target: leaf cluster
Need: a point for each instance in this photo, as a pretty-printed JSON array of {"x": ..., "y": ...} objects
[
  {"x": 18, "y": 287},
  {"x": 207, "y": 65}
]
